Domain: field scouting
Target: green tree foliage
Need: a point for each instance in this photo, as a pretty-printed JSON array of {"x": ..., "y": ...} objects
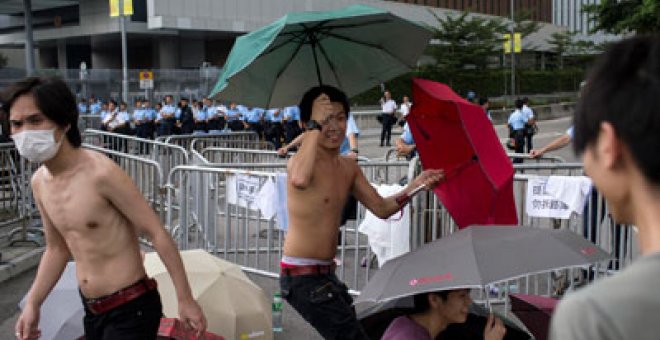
[
  {"x": 616, "y": 16},
  {"x": 465, "y": 43}
]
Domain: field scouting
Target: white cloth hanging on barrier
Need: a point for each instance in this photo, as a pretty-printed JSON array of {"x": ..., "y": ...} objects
[
  {"x": 390, "y": 237},
  {"x": 557, "y": 196},
  {"x": 272, "y": 200}
]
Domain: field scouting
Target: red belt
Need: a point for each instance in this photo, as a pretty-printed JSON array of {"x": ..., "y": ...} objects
[
  {"x": 314, "y": 269},
  {"x": 106, "y": 303}
]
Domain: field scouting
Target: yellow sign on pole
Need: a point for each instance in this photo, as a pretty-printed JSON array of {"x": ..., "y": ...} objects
[
  {"x": 144, "y": 75},
  {"x": 114, "y": 8},
  {"x": 517, "y": 43}
]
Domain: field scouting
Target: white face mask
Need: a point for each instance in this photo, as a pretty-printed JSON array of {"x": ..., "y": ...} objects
[{"x": 37, "y": 146}]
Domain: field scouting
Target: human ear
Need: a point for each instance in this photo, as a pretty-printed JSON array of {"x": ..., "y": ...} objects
[{"x": 608, "y": 146}]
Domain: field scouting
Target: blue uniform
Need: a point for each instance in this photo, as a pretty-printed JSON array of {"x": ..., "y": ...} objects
[
  {"x": 406, "y": 135},
  {"x": 351, "y": 128},
  {"x": 517, "y": 120},
  {"x": 270, "y": 116},
  {"x": 82, "y": 108},
  {"x": 254, "y": 116},
  {"x": 291, "y": 113},
  {"x": 95, "y": 108}
]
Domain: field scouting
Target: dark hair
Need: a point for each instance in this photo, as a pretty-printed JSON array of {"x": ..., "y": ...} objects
[
  {"x": 483, "y": 100},
  {"x": 53, "y": 97},
  {"x": 525, "y": 100},
  {"x": 335, "y": 94},
  {"x": 518, "y": 103},
  {"x": 623, "y": 89},
  {"x": 422, "y": 300}
]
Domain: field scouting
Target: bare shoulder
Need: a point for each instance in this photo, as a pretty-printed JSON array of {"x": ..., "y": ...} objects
[
  {"x": 37, "y": 178},
  {"x": 349, "y": 166},
  {"x": 99, "y": 167}
]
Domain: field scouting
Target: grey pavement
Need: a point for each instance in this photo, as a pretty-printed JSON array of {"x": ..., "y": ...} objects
[{"x": 18, "y": 267}]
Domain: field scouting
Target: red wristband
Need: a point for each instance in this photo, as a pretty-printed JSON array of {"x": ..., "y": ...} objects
[{"x": 402, "y": 199}]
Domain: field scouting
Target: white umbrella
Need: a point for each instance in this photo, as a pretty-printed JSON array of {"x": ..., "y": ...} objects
[
  {"x": 62, "y": 312},
  {"x": 234, "y": 306}
]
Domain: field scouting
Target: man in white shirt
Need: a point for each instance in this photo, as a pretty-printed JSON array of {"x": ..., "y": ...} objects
[
  {"x": 388, "y": 117},
  {"x": 404, "y": 109}
]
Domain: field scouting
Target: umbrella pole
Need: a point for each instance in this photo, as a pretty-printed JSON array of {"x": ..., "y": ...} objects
[{"x": 314, "y": 42}]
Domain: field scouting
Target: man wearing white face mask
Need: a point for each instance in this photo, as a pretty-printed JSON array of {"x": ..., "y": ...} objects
[{"x": 91, "y": 212}]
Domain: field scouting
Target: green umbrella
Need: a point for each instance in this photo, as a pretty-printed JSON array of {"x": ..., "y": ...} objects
[{"x": 353, "y": 48}]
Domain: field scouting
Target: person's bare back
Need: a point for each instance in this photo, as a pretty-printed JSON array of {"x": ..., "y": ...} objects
[{"x": 100, "y": 239}]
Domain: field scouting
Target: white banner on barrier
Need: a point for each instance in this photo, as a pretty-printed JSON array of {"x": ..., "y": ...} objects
[
  {"x": 242, "y": 190},
  {"x": 540, "y": 203}
]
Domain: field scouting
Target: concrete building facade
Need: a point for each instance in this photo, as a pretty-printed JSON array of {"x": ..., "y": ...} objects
[{"x": 168, "y": 34}]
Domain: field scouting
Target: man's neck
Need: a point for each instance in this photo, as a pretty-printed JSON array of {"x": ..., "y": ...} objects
[
  {"x": 64, "y": 160},
  {"x": 645, "y": 211}
]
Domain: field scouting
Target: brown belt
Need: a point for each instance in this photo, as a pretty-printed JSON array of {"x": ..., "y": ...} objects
[
  {"x": 106, "y": 303},
  {"x": 315, "y": 269}
]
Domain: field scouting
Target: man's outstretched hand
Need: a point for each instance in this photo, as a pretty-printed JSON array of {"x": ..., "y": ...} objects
[{"x": 429, "y": 179}]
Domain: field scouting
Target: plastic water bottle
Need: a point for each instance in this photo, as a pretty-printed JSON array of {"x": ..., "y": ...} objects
[{"x": 277, "y": 312}]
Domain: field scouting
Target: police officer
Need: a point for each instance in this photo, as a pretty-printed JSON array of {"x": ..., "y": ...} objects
[
  {"x": 517, "y": 121},
  {"x": 234, "y": 118},
  {"x": 185, "y": 118},
  {"x": 167, "y": 117},
  {"x": 94, "y": 105},
  {"x": 274, "y": 129},
  {"x": 215, "y": 115},
  {"x": 254, "y": 119},
  {"x": 291, "y": 122}
]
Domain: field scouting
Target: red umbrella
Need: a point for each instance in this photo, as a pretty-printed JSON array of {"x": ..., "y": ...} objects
[
  {"x": 534, "y": 312},
  {"x": 452, "y": 134}
]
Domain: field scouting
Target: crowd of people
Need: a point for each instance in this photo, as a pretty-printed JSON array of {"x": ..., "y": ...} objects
[
  {"x": 164, "y": 118},
  {"x": 93, "y": 213}
]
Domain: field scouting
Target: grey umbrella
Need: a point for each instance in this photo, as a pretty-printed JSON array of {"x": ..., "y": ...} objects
[
  {"x": 477, "y": 256},
  {"x": 62, "y": 311}
]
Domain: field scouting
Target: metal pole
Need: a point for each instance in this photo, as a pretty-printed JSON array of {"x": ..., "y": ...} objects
[
  {"x": 513, "y": 55},
  {"x": 29, "y": 40},
  {"x": 124, "y": 62}
]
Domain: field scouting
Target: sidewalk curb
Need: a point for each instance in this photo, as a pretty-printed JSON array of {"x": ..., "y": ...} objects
[{"x": 20, "y": 264}]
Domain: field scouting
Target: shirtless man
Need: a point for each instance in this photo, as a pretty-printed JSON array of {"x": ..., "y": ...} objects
[
  {"x": 319, "y": 182},
  {"x": 91, "y": 212}
]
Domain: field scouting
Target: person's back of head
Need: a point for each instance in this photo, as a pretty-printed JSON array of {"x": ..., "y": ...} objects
[
  {"x": 53, "y": 97},
  {"x": 623, "y": 89},
  {"x": 519, "y": 104},
  {"x": 307, "y": 101}
]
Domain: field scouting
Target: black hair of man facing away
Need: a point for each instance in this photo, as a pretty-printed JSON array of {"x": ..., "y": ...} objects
[
  {"x": 319, "y": 182},
  {"x": 617, "y": 131}
]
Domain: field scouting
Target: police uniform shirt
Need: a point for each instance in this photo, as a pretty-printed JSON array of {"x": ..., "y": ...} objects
[
  {"x": 234, "y": 114},
  {"x": 202, "y": 114},
  {"x": 527, "y": 112},
  {"x": 168, "y": 109},
  {"x": 351, "y": 128},
  {"x": 406, "y": 135},
  {"x": 517, "y": 120},
  {"x": 139, "y": 115},
  {"x": 95, "y": 108},
  {"x": 270, "y": 116},
  {"x": 291, "y": 113},
  {"x": 254, "y": 115},
  {"x": 82, "y": 108}
]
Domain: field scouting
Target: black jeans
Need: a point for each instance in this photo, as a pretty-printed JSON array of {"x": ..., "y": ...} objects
[
  {"x": 386, "y": 131},
  {"x": 137, "y": 319},
  {"x": 324, "y": 302}
]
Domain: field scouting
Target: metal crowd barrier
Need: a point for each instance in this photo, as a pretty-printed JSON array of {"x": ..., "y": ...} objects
[
  {"x": 201, "y": 216},
  {"x": 17, "y": 206},
  {"x": 89, "y": 122},
  {"x": 146, "y": 174},
  {"x": 201, "y": 144},
  {"x": 167, "y": 155},
  {"x": 235, "y": 155},
  {"x": 185, "y": 141},
  {"x": 526, "y": 158}
]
